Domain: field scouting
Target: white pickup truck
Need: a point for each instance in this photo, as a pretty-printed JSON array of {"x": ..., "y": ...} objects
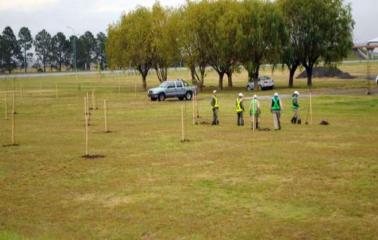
[{"x": 171, "y": 89}]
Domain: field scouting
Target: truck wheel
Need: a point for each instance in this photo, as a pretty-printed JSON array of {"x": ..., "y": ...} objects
[
  {"x": 181, "y": 98},
  {"x": 188, "y": 95},
  {"x": 161, "y": 97}
]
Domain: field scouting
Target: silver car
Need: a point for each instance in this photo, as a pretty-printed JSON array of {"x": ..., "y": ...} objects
[
  {"x": 171, "y": 89},
  {"x": 264, "y": 82}
]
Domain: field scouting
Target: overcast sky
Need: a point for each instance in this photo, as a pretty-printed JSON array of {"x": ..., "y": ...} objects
[{"x": 96, "y": 15}]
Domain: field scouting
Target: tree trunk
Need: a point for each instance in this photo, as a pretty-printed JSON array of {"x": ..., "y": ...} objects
[
  {"x": 229, "y": 77},
  {"x": 256, "y": 77},
  {"x": 309, "y": 75},
  {"x": 292, "y": 70},
  {"x": 144, "y": 79},
  {"x": 143, "y": 70},
  {"x": 221, "y": 75}
]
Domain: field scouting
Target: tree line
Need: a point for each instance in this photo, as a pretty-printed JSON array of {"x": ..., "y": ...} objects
[
  {"x": 228, "y": 35},
  {"x": 46, "y": 51}
]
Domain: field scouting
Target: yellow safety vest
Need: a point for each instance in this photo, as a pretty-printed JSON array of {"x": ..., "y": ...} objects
[
  {"x": 238, "y": 105},
  {"x": 216, "y": 104}
]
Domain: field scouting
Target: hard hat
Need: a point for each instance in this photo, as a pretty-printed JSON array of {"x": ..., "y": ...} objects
[
  {"x": 215, "y": 91},
  {"x": 296, "y": 93},
  {"x": 276, "y": 94},
  {"x": 241, "y": 95}
]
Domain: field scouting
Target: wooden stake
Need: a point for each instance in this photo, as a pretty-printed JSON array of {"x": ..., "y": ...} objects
[
  {"x": 182, "y": 124},
  {"x": 5, "y": 107},
  {"x": 13, "y": 120},
  {"x": 86, "y": 128},
  {"x": 198, "y": 116},
  {"x": 310, "y": 108},
  {"x": 94, "y": 107},
  {"x": 85, "y": 106},
  {"x": 88, "y": 108},
  {"x": 193, "y": 108},
  {"x": 253, "y": 115},
  {"x": 106, "y": 116}
]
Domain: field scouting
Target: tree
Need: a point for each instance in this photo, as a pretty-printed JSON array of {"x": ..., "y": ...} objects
[
  {"x": 86, "y": 49},
  {"x": 10, "y": 51},
  {"x": 164, "y": 40},
  {"x": 42, "y": 45},
  {"x": 59, "y": 50},
  {"x": 25, "y": 42},
  {"x": 319, "y": 29},
  {"x": 100, "y": 50},
  {"x": 130, "y": 42},
  {"x": 222, "y": 32},
  {"x": 193, "y": 44},
  {"x": 260, "y": 36}
]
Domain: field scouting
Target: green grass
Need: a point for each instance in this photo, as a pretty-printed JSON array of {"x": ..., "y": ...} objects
[{"x": 304, "y": 182}]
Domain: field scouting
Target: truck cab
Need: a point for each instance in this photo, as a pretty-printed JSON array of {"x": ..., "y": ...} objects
[{"x": 171, "y": 89}]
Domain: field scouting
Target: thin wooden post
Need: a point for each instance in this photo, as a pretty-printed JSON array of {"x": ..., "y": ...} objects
[
  {"x": 106, "y": 116},
  {"x": 193, "y": 108},
  {"x": 310, "y": 107},
  {"x": 88, "y": 108},
  {"x": 6, "y": 106},
  {"x": 13, "y": 120},
  {"x": 94, "y": 107},
  {"x": 182, "y": 124},
  {"x": 254, "y": 112},
  {"x": 86, "y": 128},
  {"x": 197, "y": 105},
  {"x": 56, "y": 90}
]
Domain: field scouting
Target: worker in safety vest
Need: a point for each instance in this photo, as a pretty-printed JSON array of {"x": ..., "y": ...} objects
[
  {"x": 239, "y": 110},
  {"x": 276, "y": 108},
  {"x": 296, "y": 119},
  {"x": 215, "y": 107},
  {"x": 254, "y": 112}
]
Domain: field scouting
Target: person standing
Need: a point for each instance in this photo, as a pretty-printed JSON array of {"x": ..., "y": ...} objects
[
  {"x": 240, "y": 110},
  {"x": 215, "y": 107},
  {"x": 276, "y": 108},
  {"x": 254, "y": 112},
  {"x": 295, "y": 106}
]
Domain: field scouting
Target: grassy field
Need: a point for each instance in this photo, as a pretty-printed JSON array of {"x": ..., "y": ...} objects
[{"x": 304, "y": 182}]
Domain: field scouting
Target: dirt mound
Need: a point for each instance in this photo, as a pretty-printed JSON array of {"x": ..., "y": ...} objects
[{"x": 327, "y": 72}]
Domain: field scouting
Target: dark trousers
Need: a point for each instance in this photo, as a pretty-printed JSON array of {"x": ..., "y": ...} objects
[
  {"x": 215, "y": 117},
  {"x": 276, "y": 119},
  {"x": 240, "y": 119}
]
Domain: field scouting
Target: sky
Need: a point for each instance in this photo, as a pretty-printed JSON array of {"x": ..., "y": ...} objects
[{"x": 78, "y": 16}]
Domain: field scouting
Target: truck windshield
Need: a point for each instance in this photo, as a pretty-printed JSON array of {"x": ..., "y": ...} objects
[{"x": 164, "y": 85}]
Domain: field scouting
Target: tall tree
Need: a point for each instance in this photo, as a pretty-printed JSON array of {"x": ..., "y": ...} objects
[
  {"x": 193, "y": 43},
  {"x": 164, "y": 40},
  {"x": 260, "y": 36},
  {"x": 10, "y": 51},
  {"x": 25, "y": 42},
  {"x": 320, "y": 29},
  {"x": 130, "y": 42},
  {"x": 42, "y": 45},
  {"x": 100, "y": 50},
  {"x": 59, "y": 50},
  {"x": 223, "y": 54},
  {"x": 86, "y": 47}
]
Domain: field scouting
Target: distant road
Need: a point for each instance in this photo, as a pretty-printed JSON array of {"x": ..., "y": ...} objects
[
  {"x": 130, "y": 71},
  {"x": 81, "y": 73}
]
